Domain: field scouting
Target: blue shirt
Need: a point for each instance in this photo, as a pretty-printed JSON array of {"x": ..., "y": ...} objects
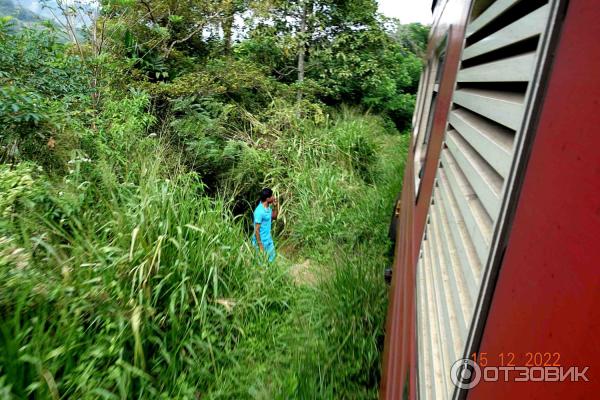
[{"x": 263, "y": 217}]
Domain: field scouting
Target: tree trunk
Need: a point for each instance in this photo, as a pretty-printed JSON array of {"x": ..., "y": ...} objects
[
  {"x": 302, "y": 47},
  {"x": 228, "y": 26}
]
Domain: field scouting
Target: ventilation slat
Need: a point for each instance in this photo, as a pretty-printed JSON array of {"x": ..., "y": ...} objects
[
  {"x": 424, "y": 344},
  {"x": 493, "y": 142},
  {"x": 439, "y": 374},
  {"x": 430, "y": 325},
  {"x": 468, "y": 261},
  {"x": 444, "y": 296},
  {"x": 486, "y": 183},
  {"x": 527, "y": 27},
  {"x": 512, "y": 69},
  {"x": 477, "y": 221},
  {"x": 493, "y": 11},
  {"x": 455, "y": 289},
  {"x": 505, "y": 108}
]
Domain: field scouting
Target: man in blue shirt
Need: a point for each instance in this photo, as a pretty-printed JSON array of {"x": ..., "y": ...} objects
[{"x": 263, "y": 215}]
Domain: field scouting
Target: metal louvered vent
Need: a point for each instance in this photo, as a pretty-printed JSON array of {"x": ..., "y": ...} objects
[{"x": 499, "y": 59}]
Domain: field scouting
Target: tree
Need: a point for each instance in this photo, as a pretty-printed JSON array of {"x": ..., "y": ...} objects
[
  {"x": 412, "y": 37},
  {"x": 230, "y": 9},
  {"x": 315, "y": 24}
]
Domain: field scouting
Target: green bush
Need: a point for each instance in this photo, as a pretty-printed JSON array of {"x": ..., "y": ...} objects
[{"x": 42, "y": 88}]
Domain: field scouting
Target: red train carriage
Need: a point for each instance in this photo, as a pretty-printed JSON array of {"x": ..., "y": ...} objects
[{"x": 497, "y": 252}]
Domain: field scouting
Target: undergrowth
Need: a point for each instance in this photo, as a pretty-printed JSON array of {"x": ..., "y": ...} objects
[
  {"x": 126, "y": 269},
  {"x": 125, "y": 279}
]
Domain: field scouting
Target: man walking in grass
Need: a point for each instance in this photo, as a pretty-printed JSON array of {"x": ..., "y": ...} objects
[{"x": 263, "y": 215}]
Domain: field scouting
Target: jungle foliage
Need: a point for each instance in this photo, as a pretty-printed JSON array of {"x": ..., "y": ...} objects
[{"x": 131, "y": 156}]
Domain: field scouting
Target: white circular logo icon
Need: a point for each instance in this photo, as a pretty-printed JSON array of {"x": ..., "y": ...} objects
[{"x": 465, "y": 373}]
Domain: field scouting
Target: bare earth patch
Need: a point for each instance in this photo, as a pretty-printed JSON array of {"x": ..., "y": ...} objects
[{"x": 304, "y": 273}]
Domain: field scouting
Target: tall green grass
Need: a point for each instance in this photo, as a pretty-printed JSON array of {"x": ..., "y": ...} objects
[{"x": 126, "y": 280}]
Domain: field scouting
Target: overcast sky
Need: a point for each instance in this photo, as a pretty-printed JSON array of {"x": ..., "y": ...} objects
[{"x": 407, "y": 10}]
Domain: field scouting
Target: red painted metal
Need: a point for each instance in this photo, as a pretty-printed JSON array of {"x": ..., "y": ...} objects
[
  {"x": 394, "y": 363},
  {"x": 547, "y": 296}
]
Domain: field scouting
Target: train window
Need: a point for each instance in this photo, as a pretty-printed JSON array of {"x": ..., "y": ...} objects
[
  {"x": 418, "y": 115},
  {"x": 435, "y": 72}
]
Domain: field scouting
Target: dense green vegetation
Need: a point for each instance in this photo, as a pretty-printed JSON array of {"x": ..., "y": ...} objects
[{"x": 130, "y": 160}]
